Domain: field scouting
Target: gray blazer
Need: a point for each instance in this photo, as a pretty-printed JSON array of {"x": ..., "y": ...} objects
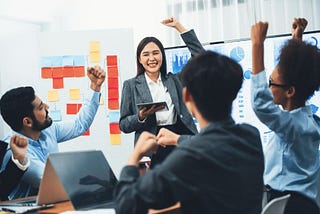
[{"x": 135, "y": 90}]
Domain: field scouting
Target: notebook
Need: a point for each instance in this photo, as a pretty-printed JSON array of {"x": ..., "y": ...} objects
[{"x": 83, "y": 177}]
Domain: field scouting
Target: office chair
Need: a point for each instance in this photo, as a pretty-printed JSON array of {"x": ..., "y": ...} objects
[{"x": 276, "y": 206}]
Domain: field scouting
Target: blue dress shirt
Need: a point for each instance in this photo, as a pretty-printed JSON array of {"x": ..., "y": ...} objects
[
  {"x": 48, "y": 142},
  {"x": 291, "y": 155}
]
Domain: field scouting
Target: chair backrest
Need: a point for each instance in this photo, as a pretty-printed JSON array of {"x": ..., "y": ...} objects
[{"x": 276, "y": 206}]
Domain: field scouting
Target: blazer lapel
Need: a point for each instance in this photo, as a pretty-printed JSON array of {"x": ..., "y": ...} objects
[
  {"x": 171, "y": 87},
  {"x": 143, "y": 93}
]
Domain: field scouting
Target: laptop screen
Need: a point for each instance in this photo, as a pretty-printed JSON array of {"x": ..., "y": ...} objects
[{"x": 86, "y": 177}]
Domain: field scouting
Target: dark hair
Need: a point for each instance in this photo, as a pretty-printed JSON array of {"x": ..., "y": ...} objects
[
  {"x": 142, "y": 44},
  {"x": 213, "y": 81},
  {"x": 299, "y": 66},
  {"x": 16, "y": 104}
]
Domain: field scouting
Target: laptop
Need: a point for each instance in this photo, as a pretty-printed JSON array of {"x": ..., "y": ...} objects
[{"x": 83, "y": 177}]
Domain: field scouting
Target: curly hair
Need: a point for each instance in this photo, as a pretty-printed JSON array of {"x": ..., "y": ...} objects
[{"x": 299, "y": 65}]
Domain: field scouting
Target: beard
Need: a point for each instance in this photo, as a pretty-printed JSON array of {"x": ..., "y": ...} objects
[{"x": 37, "y": 126}]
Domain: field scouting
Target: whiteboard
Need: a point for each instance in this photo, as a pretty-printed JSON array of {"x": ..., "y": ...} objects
[{"x": 112, "y": 42}]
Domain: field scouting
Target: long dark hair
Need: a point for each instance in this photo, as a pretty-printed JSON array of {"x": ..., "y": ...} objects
[{"x": 142, "y": 44}]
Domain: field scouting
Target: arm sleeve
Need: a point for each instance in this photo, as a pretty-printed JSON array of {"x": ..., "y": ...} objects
[
  {"x": 191, "y": 40},
  {"x": 9, "y": 178},
  {"x": 67, "y": 130},
  {"x": 270, "y": 114},
  {"x": 158, "y": 188},
  {"x": 129, "y": 118}
]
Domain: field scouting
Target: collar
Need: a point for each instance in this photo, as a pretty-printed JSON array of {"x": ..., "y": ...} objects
[{"x": 149, "y": 81}]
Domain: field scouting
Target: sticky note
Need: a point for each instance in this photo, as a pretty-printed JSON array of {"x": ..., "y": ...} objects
[
  {"x": 67, "y": 61},
  {"x": 45, "y": 62},
  {"x": 114, "y": 128},
  {"x": 55, "y": 115},
  {"x": 78, "y": 71},
  {"x": 112, "y": 60},
  {"x": 79, "y": 106},
  {"x": 68, "y": 72},
  {"x": 57, "y": 83},
  {"x": 79, "y": 60},
  {"x": 74, "y": 93},
  {"x": 57, "y": 72},
  {"x": 56, "y": 61},
  {"x": 114, "y": 116},
  {"x": 94, "y": 56},
  {"x": 72, "y": 108},
  {"x": 115, "y": 139},
  {"x": 113, "y": 71},
  {"x": 113, "y": 93},
  {"x": 53, "y": 96},
  {"x": 94, "y": 46},
  {"x": 87, "y": 133},
  {"x": 46, "y": 73},
  {"x": 101, "y": 100},
  {"x": 113, "y": 83},
  {"x": 113, "y": 104}
]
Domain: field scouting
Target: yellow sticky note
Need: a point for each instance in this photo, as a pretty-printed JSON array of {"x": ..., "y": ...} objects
[
  {"x": 74, "y": 94},
  {"x": 115, "y": 139},
  {"x": 101, "y": 100},
  {"x": 94, "y": 56},
  {"x": 53, "y": 96},
  {"x": 94, "y": 46}
]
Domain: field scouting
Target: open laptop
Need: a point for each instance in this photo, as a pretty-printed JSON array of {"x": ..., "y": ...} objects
[{"x": 83, "y": 177}]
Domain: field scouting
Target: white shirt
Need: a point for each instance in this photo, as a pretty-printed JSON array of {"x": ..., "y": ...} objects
[{"x": 160, "y": 93}]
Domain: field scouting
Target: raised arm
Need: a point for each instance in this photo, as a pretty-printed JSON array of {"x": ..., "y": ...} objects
[
  {"x": 189, "y": 37},
  {"x": 258, "y": 35}
]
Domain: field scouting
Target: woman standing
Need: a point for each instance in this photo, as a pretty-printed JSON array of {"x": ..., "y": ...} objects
[{"x": 153, "y": 84}]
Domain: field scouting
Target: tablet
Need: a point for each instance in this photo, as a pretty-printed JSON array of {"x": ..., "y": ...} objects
[{"x": 149, "y": 105}]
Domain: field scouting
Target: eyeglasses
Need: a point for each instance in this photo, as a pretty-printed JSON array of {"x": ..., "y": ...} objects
[{"x": 277, "y": 85}]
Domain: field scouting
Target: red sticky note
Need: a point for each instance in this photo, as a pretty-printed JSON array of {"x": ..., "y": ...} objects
[
  {"x": 113, "y": 82},
  {"x": 113, "y": 71},
  {"x": 72, "y": 108},
  {"x": 112, "y": 60},
  {"x": 68, "y": 72},
  {"x": 87, "y": 133},
  {"x": 113, "y": 104},
  {"x": 113, "y": 93},
  {"x": 46, "y": 73},
  {"x": 78, "y": 71},
  {"x": 57, "y": 72},
  {"x": 114, "y": 128},
  {"x": 79, "y": 107},
  {"x": 57, "y": 83}
]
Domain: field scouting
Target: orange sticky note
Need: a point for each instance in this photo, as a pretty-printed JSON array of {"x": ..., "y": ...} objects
[
  {"x": 79, "y": 107},
  {"x": 57, "y": 72},
  {"x": 72, "y": 108},
  {"x": 57, "y": 83},
  {"x": 113, "y": 93},
  {"x": 113, "y": 104},
  {"x": 113, "y": 82},
  {"x": 112, "y": 60},
  {"x": 114, "y": 128},
  {"x": 78, "y": 71},
  {"x": 115, "y": 139},
  {"x": 113, "y": 71},
  {"x": 87, "y": 133},
  {"x": 46, "y": 73},
  {"x": 68, "y": 72}
]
